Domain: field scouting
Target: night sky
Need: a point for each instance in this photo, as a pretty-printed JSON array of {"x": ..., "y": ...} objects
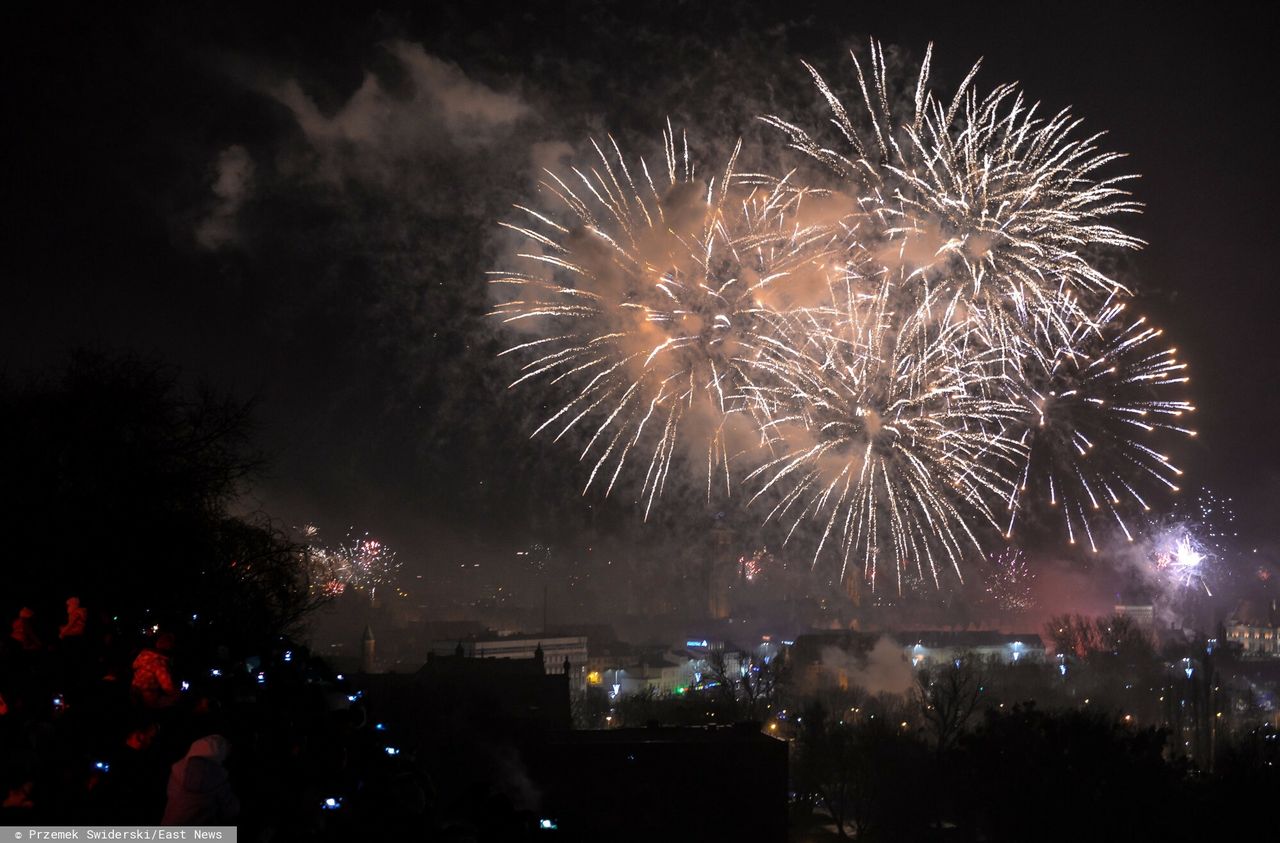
[{"x": 297, "y": 206}]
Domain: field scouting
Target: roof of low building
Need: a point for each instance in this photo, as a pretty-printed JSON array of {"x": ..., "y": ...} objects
[
  {"x": 967, "y": 638},
  {"x": 1255, "y": 613}
]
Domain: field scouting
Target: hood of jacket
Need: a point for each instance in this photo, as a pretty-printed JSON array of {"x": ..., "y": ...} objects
[{"x": 201, "y": 770}]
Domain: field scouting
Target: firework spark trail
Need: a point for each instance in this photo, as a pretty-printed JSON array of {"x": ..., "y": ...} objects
[
  {"x": 1096, "y": 408},
  {"x": 1010, "y": 580},
  {"x": 887, "y": 438},
  {"x": 1214, "y": 519},
  {"x": 662, "y": 287},
  {"x": 989, "y": 195}
]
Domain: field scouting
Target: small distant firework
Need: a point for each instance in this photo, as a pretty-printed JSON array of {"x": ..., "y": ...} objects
[
  {"x": 751, "y": 567},
  {"x": 360, "y": 562},
  {"x": 1179, "y": 559},
  {"x": 1194, "y": 544},
  {"x": 370, "y": 562},
  {"x": 324, "y": 567},
  {"x": 1010, "y": 581}
]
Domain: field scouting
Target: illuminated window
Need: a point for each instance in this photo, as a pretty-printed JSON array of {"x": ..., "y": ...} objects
[{"x": 593, "y": 678}]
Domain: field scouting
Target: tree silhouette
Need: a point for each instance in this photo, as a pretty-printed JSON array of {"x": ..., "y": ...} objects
[
  {"x": 120, "y": 486},
  {"x": 947, "y": 699}
]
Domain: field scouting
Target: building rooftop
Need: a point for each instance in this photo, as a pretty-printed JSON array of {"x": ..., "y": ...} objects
[
  {"x": 603, "y": 649},
  {"x": 491, "y": 637},
  {"x": 967, "y": 638},
  {"x": 736, "y": 732},
  {"x": 1256, "y": 613},
  {"x": 479, "y": 668},
  {"x": 653, "y": 660}
]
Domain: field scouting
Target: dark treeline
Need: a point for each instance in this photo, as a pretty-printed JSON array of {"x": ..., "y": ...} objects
[{"x": 120, "y": 483}]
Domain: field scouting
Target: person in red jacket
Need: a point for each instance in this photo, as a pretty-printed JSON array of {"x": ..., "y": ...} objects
[
  {"x": 77, "y": 617},
  {"x": 24, "y": 631},
  {"x": 153, "y": 684}
]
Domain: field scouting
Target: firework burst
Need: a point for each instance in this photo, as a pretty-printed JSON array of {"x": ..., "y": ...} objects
[
  {"x": 887, "y": 437},
  {"x": 655, "y": 291},
  {"x": 360, "y": 562},
  {"x": 891, "y": 359},
  {"x": 1180, "y": 560},
  {"x": 981, "y": 194},
  {"x": 1100, "y": 410}
]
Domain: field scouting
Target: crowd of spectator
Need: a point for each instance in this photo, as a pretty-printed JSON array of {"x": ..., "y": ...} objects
[{"x": 148, "y": 721}]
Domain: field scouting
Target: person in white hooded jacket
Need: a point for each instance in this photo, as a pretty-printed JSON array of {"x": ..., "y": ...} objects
[{"x": 199, "y": 790}]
